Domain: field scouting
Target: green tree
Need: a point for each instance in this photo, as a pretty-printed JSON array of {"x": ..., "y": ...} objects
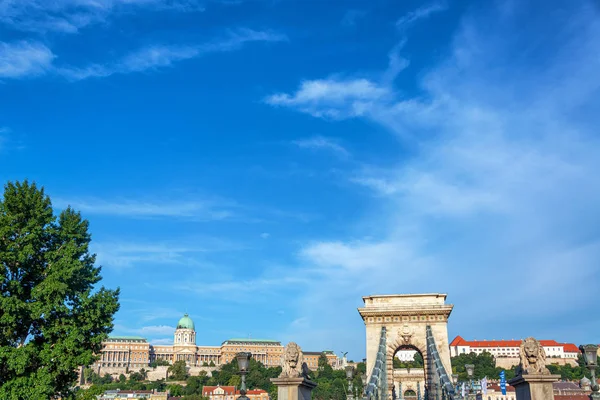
[
  {"x": 175, "y": 390},
  {"x": 122, "y": 378},
  {"x": 324, "y": 370},
  {"x": 178, "y": 371},
  {"x": 52, "y": 317},
  {"x": 235, "y": 380},
  {"x": 135, "y": 377},
  {"x": 194, "y": 384}
]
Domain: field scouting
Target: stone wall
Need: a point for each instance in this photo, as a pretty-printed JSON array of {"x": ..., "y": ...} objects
[{"x": 154, "y": 374}]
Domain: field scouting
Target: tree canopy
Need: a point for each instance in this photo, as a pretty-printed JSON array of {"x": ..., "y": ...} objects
[{"x": 53, "y": 318}]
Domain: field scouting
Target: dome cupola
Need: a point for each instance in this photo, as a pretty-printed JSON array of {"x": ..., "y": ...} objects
[{"x": 186, "y": 323}]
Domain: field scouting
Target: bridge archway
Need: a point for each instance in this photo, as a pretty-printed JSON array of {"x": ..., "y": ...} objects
[
  {"x": 406, "y": 318},
  {"x": 409, "y": 372}
]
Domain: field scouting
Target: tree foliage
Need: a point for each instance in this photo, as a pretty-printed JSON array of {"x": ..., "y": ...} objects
[
  {"x": 178, "y": 371},
  {"x": 52, "y": 317}
]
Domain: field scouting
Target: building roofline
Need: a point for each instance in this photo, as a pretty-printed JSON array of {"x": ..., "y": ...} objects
[
  {"x": 376, "y": 296},
  {"x": 127, "y": 337},
  {"x": 252, "y": 340}
]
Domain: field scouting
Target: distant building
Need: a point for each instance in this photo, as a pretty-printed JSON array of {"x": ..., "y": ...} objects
[
  {"x": 121, "y": 353},
  {"x": 510, "y": 348},
  {"x": 255, "y": 394},
  {"x": 219, "y": 392},
  {"x": 133, "y": 394},
  {"x": 311, "y": 358}
]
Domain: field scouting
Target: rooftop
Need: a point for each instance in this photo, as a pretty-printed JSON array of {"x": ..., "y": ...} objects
[
  {"x": 126, "y": 338},
  {"x": 459, "y": 341},
  {"x": 248, "y": 340}
]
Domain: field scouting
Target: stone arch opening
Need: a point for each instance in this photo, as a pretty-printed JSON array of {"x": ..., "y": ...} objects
[
  {"x": 410, "y": 395},
  {"x": 409, "y": 371}
]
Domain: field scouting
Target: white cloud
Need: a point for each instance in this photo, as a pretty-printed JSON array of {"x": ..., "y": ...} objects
[
  {"x": 162, "y": 342},
  {"x": 499, "y": 199},
  {"x": 182, "y": 252},
  {"x": 420, "y": 13},
  {"x": 352, "y": 16},
  {"x": 24, "y": 59},
  {"x": 322, "y": 143},
  {"x": 162, "y": 56},
  {"x": 69, "y": 16},
  {"x": 156, "y": 330},
  {"x": 265, "y": 235},
  {"x": 191, "y": 209},
  {"x": 28, "y": 59},
  {"x": 148, "y": 58},
  {"x": 332, "y": 98}
]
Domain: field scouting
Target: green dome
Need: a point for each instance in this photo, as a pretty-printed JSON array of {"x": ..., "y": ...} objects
[{"x": 186, "y": 323}]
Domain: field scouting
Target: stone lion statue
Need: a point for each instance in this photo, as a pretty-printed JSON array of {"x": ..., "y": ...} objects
[
  {"x": 533, "y": 358},
  {"x": 292, "y": 361}
]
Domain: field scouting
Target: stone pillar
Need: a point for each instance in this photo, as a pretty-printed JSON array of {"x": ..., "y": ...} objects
[
  {"x": 293, "y": 388},
  {"x": 534, "y": 386}
]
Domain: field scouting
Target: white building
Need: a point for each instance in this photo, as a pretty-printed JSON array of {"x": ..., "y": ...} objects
[
  {"x": 406, "y": 355},
  {"x": 510, "y": 348}
]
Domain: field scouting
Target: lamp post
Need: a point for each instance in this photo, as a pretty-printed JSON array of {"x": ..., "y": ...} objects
[
  {"x": 455, "y": 382},
  {"x": 590, "y": 355},
  {"x": 349, "y": 375},
  {"x": 243, "y": 360},
  {"x": 470, "y": 369}
]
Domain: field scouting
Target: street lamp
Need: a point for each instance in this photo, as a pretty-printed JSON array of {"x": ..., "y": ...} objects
[
  {"x": 590, "y": 355},
  {"x": 243, "y": 360},
  {"x": 455, "y": 382},
  {"x": 349, "y": 376},
  {"x": 470, "y": 368}
]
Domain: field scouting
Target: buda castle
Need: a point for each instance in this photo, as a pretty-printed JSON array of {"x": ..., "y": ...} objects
[{"x": 135, "y": 352}]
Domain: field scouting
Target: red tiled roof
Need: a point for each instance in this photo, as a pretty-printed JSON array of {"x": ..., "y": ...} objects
[
  {"x": 208, "y": 390},
  {"x": 496, "y": 388},
  {"x": 571, "y": 397},
  {"x": 458, "y": 341},
  {"x": 570, "y": 348}
]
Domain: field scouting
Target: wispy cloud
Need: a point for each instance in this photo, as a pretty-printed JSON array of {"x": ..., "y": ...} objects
[
  {"x": 194, "y": 209},
  {"x": 409, "y": 19},
  {"x": 161, "y": 56},
  {"x": 28, "y": 59},
  {"x": 145, "y": 331},
  {"x": 24, "y": 59},
  {"x": 352, "y": 16},
  {"x": 69, "y": 16},
  {"x": 322, "y": 143},
  {"x": 502, "y": 186},
  {"x": 182, "y": 252}
]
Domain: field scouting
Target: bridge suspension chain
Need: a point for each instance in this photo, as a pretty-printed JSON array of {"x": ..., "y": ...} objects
[
  {"x": 377, "y": 386},
  {"x": 438, "y": 367}
]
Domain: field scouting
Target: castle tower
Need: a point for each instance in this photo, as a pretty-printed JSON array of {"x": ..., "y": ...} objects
[
  {"x": 185, "y": 332},
  {"x": 184, "y": 341}
]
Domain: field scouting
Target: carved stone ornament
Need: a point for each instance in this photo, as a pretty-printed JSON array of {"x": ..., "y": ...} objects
[
  {"x": 533, "y": 358},
  {"x": 406, "y": 334},
  {"x": 292, "y": 361}
]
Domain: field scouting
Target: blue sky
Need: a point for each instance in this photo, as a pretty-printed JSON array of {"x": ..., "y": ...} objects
[{"x": 262, "y": 165}]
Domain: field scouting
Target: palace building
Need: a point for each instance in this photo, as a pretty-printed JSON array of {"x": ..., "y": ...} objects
[{"x": 134, "y": 352}]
